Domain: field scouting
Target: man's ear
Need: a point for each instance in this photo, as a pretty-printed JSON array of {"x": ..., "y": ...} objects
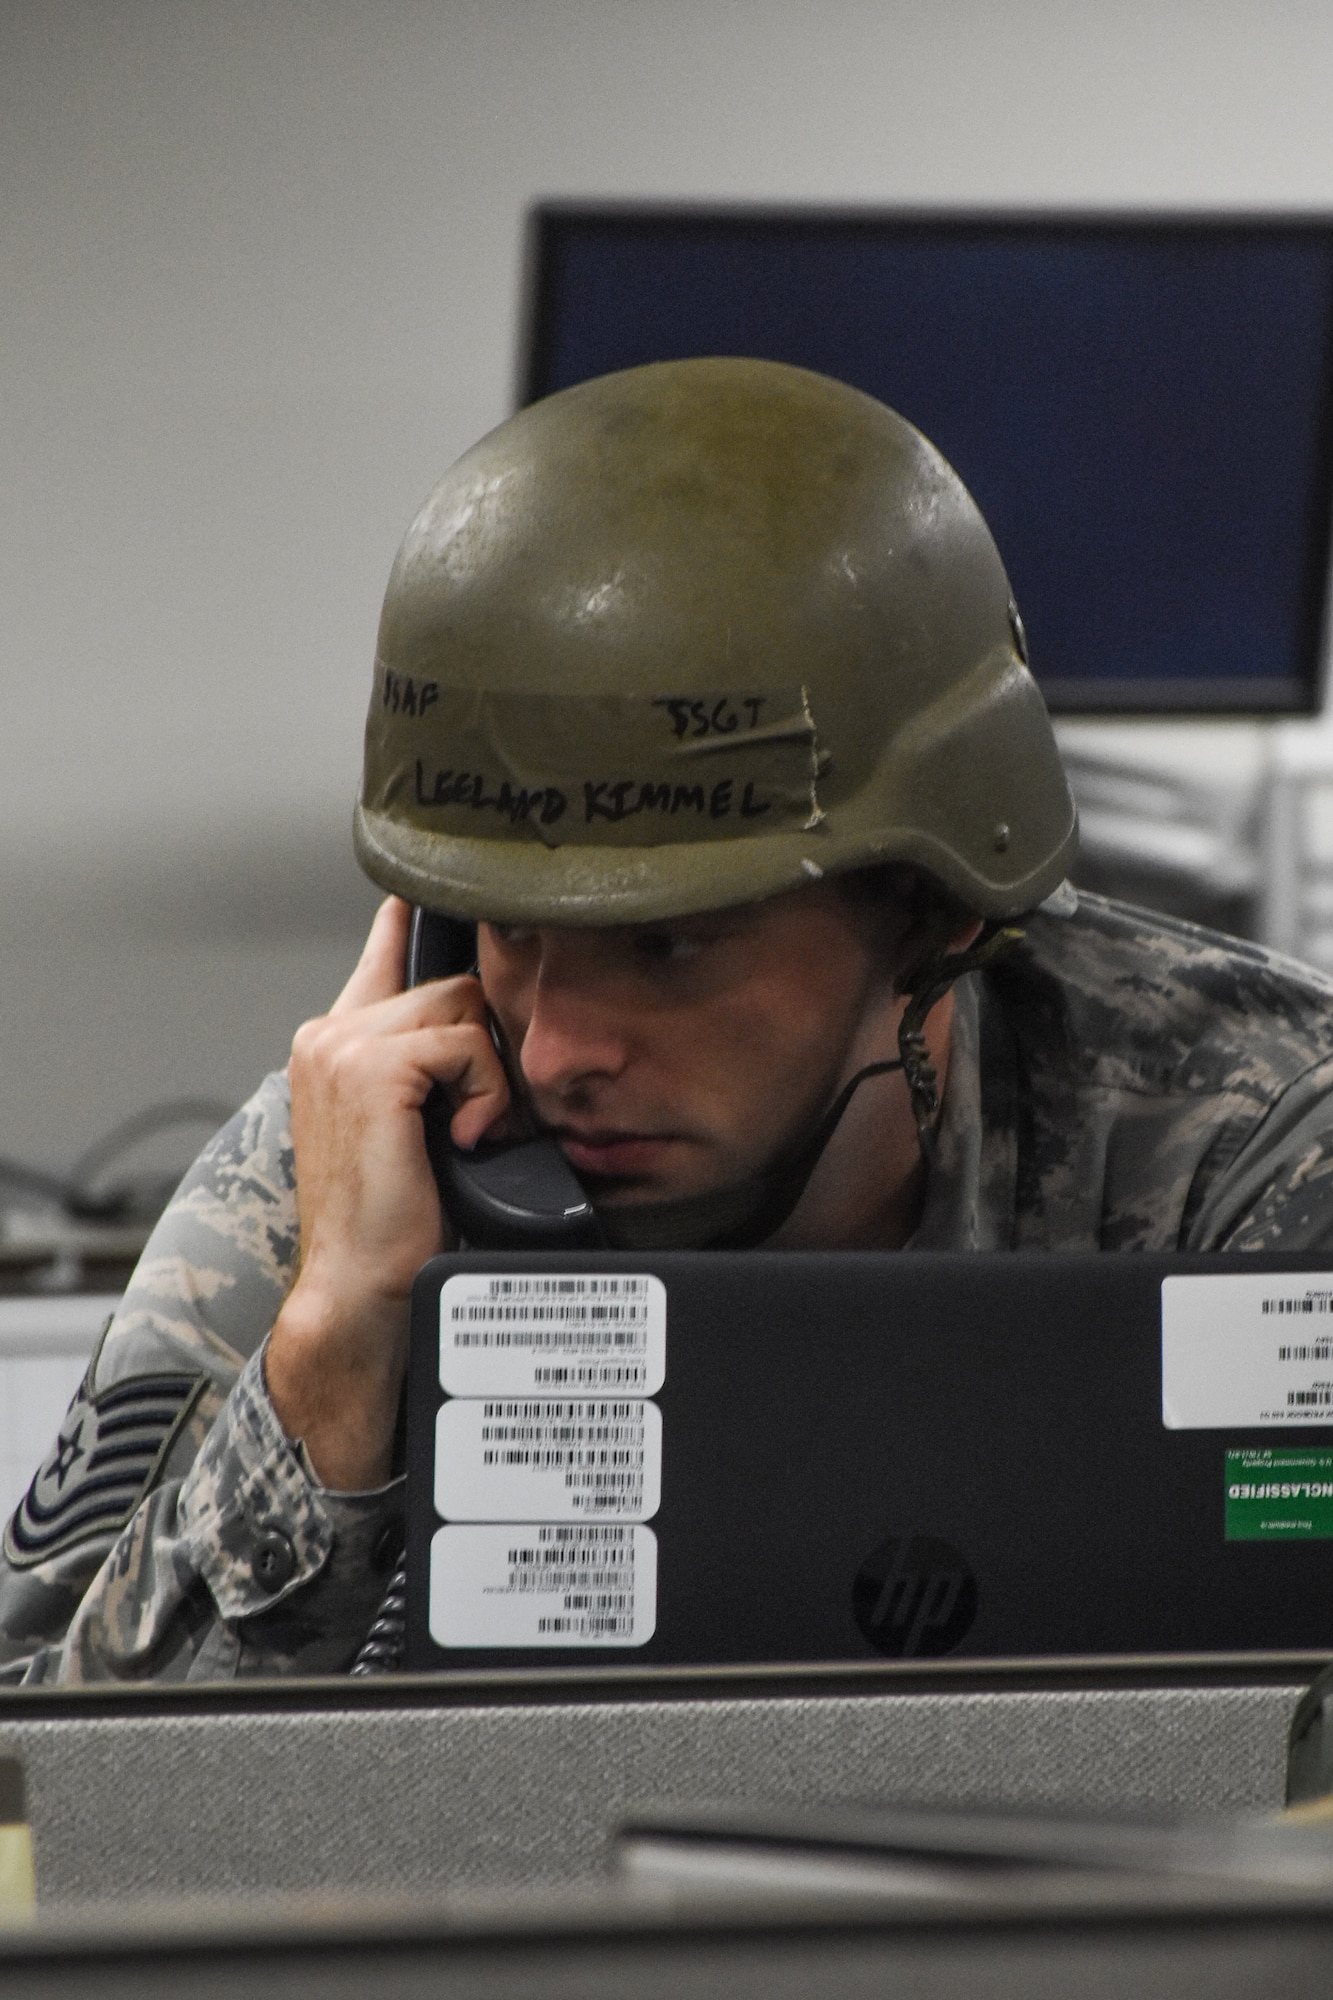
[{"x": 937, "y": 931}]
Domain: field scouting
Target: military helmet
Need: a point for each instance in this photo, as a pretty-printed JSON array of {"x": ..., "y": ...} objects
[{"x": 693, "y": 634}]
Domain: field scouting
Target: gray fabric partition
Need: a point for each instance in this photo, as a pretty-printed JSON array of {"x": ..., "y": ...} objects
[{"x": 419, "y": 1799}]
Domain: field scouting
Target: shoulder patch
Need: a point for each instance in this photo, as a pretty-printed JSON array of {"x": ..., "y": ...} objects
[{"x": 107, "y": 1454}]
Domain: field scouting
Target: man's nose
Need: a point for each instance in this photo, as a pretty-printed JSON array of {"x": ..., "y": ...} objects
[{"x": 574, "y": 1031}]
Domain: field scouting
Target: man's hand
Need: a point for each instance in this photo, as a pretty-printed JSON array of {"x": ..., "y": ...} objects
[{"x": 369, "y": 1211}]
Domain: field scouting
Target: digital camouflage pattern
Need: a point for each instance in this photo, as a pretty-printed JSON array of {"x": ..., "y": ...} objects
[
  {"x": 1123, "y": 1081},
  {"x": 174, "y": 1589},
  {"x": 1119, "y": 1081}
]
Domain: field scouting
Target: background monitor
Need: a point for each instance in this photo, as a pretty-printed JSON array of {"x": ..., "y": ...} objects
[{"x": 1141, "y": 405}]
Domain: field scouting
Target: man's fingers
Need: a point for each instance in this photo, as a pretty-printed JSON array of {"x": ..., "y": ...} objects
[
  {"x": 380, "y": 969},
  {"x": 443, "y": 1003},
  {"x": 482, "y": 1100},
  {"x": 352, "y": 1064},
  {"x": 463, "y": 1060}
]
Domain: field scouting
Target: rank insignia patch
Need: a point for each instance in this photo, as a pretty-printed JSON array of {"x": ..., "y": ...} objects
[{"x": 110, "y": 1449}]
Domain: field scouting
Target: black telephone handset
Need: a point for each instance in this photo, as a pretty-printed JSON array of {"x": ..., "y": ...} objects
[
  {"x": 515, "y": 1194},
  {"x": 510, "y": 1194}
]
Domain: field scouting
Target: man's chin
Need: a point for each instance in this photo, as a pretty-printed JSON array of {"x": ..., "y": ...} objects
[
  {"x": 636, "y": 1191},
  {"x": 646, "y": 1216},
  {"x": 625, "y": 1191}
]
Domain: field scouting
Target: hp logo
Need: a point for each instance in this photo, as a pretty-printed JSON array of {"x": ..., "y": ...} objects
[{"x": 914, "y": 1597}]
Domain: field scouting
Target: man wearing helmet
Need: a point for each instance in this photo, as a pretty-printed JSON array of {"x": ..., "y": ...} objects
[{"x": 701, "y": 692}]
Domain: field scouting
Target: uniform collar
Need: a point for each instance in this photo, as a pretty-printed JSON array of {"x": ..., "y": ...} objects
[{"x": 971, "y": 1189}]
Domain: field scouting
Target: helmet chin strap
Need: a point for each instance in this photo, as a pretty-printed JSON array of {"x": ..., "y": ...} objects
[{"x": 740, "y": 1217}]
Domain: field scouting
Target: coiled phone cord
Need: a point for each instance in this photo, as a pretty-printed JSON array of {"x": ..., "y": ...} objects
[{"x": 385, "y": 1643}]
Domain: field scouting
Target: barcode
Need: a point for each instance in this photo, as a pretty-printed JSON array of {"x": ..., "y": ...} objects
[
  {"x": 589, "y": 1627},
  {"x": 584, "y": 1288},
  {"x": 1309, "y": 1302},
  {"x": 574, "y": 1315},
  {"x": 594, "y": 1375},
  {"x": 1321, "y": 1353},
  {"x": 554, "y": 1458},
  {"x": 585, "y": 1536},
  {"x": 1307, "y": 1399},
  {"x": 562, "y": 1434},
  {"x": 598, "y": 1338},
  {"x": 550, "y": 1411}
]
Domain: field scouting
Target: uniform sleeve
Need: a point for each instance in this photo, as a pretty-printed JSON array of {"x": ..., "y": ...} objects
[
  {"x": 173, "y": 1531},
  {"x": 1276, "y": 1193},
  {"x": 244, "y": 1566}
]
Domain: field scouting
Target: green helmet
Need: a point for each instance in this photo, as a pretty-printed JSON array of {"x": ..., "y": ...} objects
[{"x": 691, "y": 635}]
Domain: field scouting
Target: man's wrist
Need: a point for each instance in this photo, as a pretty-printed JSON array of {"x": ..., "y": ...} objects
[{"x": 333, "y": 1367}]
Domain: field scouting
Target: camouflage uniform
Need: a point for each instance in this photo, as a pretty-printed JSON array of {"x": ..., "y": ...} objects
[
  {"x": 1118, "y": 1082},
  {"x": 226, "y": 1557}
]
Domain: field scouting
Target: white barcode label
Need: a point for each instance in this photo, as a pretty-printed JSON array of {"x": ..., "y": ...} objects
[
  {"x": 547, "y": 1584},
  {"x": 520, "y": 1458},
  {"x": 1247, "y": 1350},
  {"x": 551, "y": 1335}
]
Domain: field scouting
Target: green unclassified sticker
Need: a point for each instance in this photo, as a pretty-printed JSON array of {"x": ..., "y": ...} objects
[{"x": 1279, "y": 1495}]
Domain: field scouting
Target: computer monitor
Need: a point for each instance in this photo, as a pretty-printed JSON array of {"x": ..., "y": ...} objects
[{"x": 1141, "y": 404}]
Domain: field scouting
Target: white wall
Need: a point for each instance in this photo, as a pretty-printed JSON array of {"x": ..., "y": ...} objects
[{"x": 260, "y": 269}]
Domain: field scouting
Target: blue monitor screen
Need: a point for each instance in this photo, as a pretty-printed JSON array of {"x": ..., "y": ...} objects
[{"x": 1141, "y": 406}]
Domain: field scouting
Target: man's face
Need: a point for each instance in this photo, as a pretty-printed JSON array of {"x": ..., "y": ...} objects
[{"x": 676, "y": 1058}]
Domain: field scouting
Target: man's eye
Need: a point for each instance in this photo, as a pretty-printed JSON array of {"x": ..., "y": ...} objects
[
  {"x": 668, "y": 947},
  {"x": 512, "y": 936}
]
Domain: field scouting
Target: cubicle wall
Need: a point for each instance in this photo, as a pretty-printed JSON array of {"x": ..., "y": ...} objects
[
  {"x": 45, "y": 1345},
  {"x": 427, "y": 1786}
]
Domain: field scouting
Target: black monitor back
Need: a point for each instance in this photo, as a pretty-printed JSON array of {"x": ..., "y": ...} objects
[
  {"x": 1141, "y": 404},
  {"x": 904, "y": 1455}
]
